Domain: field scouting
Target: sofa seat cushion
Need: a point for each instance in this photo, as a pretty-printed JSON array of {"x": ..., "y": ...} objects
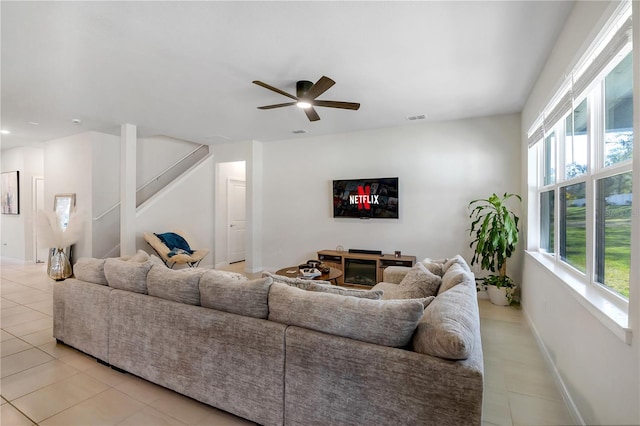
[
  {"x": 419, "y": 282},
  {"x": 242, "y": 297},
  {"x": 177, "y": 285},
  {"x": 323, "y": 287},
  {"x": 451, "y": 325},
  {"x": 127, "y": 275},
  {"x": 383, "y": 322}
]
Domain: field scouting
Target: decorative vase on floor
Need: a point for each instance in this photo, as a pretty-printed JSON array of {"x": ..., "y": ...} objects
[
  {"x": 59, "y": 266},
  {"x": 498, "y": 296}
]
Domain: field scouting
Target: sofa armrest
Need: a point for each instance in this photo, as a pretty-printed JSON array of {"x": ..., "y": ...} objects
[
  {"x": 394, "y": 274},
  {"x": 336, "y": 380}
]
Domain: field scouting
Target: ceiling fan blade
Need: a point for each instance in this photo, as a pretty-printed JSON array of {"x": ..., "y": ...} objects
[
  {"x": 277, "y": 105},
  {"x": 312, "y": 115},
  {"x": 337, "y": 104},
  {"x": 319, "y": 88},
  {"x": 275, "y": 89}
]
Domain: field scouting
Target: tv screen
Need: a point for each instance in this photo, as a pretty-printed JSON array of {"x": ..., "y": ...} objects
[{"x": 366, "y": 198}]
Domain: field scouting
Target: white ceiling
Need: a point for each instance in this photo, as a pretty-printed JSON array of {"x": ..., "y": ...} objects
[{"x": 184, "y": 69}]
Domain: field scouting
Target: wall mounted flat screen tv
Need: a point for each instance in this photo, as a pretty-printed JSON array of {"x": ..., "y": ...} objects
[{"x": 375, "y": 198}]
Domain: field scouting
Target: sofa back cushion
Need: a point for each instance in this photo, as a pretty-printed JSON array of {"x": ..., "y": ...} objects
[
  {"x": 242, "y": 297},
  {"x": 450, "y": 326},
  {"x": 454, "y": 276},
  {"x": 177, "y": 285},
  {"x": 383, "y": 322},
  {"x": 127, "y": 275},
  {"x": 419, "y": 282},
  {"x": 323, "y": 287},
  {"x": 90, "y": 270}
]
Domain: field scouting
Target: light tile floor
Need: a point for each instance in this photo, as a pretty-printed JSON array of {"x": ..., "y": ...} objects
[{"x": 45, "y": 383}]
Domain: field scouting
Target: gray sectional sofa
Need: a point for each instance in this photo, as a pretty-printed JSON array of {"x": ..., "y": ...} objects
[{"x": 284, "y": 353}]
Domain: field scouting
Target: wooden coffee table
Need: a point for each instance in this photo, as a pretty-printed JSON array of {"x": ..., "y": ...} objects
[{"x": 294, "y": 272}]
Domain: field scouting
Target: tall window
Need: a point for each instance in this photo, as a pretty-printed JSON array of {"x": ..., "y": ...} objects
[
  {"x": 584, "y": 149},
  {"x": 573, "y": 218},
  {"x": 550, "y": 159},
  {"x": 547, "y": 224},
  {"x": 618, "y": 113},
  {"x": 576, "y": 142},
  {"x": 613, "y": 232}
]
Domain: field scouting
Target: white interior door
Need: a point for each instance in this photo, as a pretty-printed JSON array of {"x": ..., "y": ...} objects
[
  {"x": 236, "y": 217},
  {"x": 42, "y": 253}
]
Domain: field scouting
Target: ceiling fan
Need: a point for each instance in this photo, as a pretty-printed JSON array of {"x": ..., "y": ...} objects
[{"x": 307, "y": 92}]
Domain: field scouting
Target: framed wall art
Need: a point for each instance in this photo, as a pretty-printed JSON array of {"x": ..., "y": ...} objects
[{"x": 10, "y": 192}]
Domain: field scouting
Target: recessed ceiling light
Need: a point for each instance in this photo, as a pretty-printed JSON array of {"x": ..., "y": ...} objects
[
  {"x": 298, "y": 132},
  {"x": 33, "y": 123},
  {"x": 76, "y": 121},
  {"x": 4, "y": 132}
]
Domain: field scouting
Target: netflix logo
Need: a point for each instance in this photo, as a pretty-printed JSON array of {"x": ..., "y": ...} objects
[{"x": 364, "y": 199}]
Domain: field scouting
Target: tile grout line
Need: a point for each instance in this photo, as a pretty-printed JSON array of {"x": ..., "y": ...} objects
[{"x": 19, "y": 411}]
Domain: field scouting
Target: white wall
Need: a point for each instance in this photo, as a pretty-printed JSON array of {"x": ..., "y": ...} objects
[
  {"x": 105, "y": 217},
  {"x": 185, "y": 204},
  {"x": 68, "y": 169},
  {"x": 17, "y": 230},
  {"x": 441, "y": 167},
  {"x": 88, "y": 164},
  {"x": 156, "y": 153},
  {"x": 599, "y": 372}
]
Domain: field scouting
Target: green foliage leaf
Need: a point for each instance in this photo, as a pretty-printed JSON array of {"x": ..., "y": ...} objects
[{"x": 495, "y": 231}]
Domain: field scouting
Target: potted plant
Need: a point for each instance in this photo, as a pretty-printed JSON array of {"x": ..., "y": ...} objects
[{"x": 495, "y": 229}]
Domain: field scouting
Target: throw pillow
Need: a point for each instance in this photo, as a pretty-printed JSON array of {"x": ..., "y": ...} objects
[
  {"x": 435, "y": 267},
  {"x": 419, "y": 282},
  {"x": 323, "y": 287},
  {"x": 450, "y": 326},
  {"x": 248, "y": 298},
  {"x": 454, "y": 276},
  {"x": 179, "y": 286},
  {"x": 382, "y": 322},
  {"x": 456, "y": 259},
  {"x": 90, "y": 270},
  {"x": 125, "y": 275}
]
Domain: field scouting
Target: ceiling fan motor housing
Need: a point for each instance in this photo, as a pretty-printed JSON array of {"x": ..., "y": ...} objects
[{"x": 303, "y": 87}]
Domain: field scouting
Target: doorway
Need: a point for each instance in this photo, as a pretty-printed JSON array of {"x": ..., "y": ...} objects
[
  {"x": 236, "y": 220},
  {"x": 231, "y": 233},
  {"x": 41, "y": 253}
]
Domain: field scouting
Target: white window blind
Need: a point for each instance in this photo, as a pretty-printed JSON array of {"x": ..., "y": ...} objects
[{"x": 562, "y": 102}]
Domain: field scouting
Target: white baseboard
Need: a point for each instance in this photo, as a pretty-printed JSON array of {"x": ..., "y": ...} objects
[
  {"x": 15, "y": 261},
  {"x": 566, "y": 396}
]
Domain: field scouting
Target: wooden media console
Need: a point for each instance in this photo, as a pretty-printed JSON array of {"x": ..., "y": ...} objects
[{"x": 362, "y": 269}]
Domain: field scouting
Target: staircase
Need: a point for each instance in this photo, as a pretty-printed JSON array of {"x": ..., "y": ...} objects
[{"x": 107, "y": 224}]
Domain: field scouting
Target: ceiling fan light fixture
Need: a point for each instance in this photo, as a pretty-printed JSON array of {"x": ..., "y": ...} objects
[{"x": 303, "y": 104}]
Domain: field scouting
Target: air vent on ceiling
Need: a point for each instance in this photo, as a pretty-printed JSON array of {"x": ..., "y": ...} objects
[
  {"x": 299, "y": 132},
  {"x": 417, "y": 117}
]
